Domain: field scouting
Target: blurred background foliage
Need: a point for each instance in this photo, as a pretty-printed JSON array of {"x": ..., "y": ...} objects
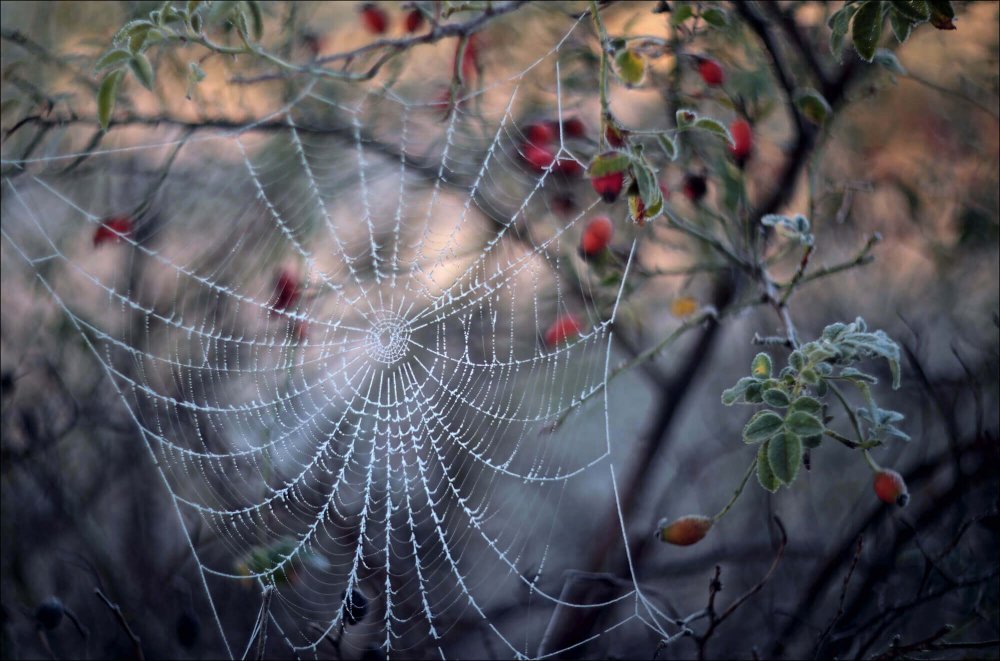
[{"x": 911, "y": 155}]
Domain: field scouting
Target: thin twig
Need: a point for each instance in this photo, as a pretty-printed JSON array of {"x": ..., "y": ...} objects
[
  {"x": 843, "y": 595},
  {"x": 117, "y": 612}
]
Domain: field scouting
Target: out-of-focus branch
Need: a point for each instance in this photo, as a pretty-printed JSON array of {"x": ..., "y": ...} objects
[{"x": 117, "y": 612}]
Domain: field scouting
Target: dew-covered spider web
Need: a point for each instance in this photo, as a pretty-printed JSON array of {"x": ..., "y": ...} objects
[{"x": 330, "y": 325}]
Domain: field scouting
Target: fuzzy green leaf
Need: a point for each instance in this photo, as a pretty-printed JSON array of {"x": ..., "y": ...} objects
[
  {"x": 784, "y": 455},
  {"x": 775, "y": 397},
  {"x": 762, "y": 426},
  {"x": 668, "y": 145},
  {"x": 764, "y": 473},
  {"x": 112, "y": 58},
  {"x": 801, "y": 423},
  {"x": 760, "y": 367},
  {"x": 866, "y": 29},
  {"x": 142, "y": 69},
  {"x": 107, "y": 95}
]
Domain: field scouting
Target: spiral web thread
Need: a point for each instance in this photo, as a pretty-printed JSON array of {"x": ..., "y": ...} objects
[{"x": 385, "y": 431}]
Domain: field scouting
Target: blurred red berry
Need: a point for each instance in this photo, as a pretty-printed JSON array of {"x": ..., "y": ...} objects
[
  {"x": 685, "y": 531},
  {"x": 564, "y": 328},
  {"x": 742, "y": 140},
  {"x": 695, "y": 187},
  {"x": 113, "y": 230},
  {"x": 540, "y": 133},
  {"x": 614, "y": 135},
  {"x": 609, "y": 186},
  {"x": 574, "y": 127},
  {"x": 414, "y": 20},
  {"x": 596, "y": 236},
  {"x": 286, "y": 291},
  {"x": 374, "y": 18},
  {"x": 568, "y": 167},
  {"x": 711, "y": 72},
  {"x": 664, "y": 191},
  {"x": 890, "y": 487},
  {"x": 539, "y": 158},
  {"x": 470, "y": 58}
]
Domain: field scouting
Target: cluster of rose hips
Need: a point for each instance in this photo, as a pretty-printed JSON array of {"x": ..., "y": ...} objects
[
  {"x": 376, "y": 19},
  {"x": 540, "y": 145}
]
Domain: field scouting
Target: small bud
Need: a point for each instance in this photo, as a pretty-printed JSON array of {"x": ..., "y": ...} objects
[
  {"x": 609, "y": 186},
  {"x": 355, "y": 607},
  {"x": 710, "y": 71},
  {"x": 685, "y": 531},
  {"x": 890, "y": 488},
  {"x": 596, "y": 236},
  {"x": 49, "y": 613},
  {"x": 564, "y": 328}
]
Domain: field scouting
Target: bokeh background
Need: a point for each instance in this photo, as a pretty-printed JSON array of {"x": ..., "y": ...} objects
[{"x": 911, "y": 156}]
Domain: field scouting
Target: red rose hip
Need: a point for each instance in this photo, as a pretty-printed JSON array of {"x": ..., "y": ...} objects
[
  {"x": 742, "y": 140},
  {"x": 711, "y": 72},
  {"x": 374, "y": 18},
  {"x": 890, "y": 487},
  {"x": 596, "y": 236},
  {"x": 564, "y": 328},
  {"x": 685, "y": 531}
]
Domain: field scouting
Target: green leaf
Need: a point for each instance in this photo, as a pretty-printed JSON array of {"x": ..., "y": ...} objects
[
  {"x": 668, "y": 145},
  {"x": 762, "y": 426},
  {"x": 900, "y": 27},
  {"x": 764, "y": 473},
  {"x": 808, "y": 405},
  {"x": 713, "y": 126},
  {"x": 888, "y": 59},
  {"x": 812, "y": 441},
  {"x": 941, "y": 14},
  {"x": 142, "y": 69},
  {"x": 760, "y": 367},
  {"x": 812, "y": 105},
  {"x": 107, "y": 95},
  {"x": 801, "y": 423},
  {"x": 866, "y": 29},
  {"x": 649, "y": 190},
  {"x": 256, "y": 19},
  {"x": 775, "y": 397},
  {"x": 715, "y": 16},
  {"x": 126, "y": 31},
  {"x": 731, "y": 395},
  {"x": 839, "y": 22},
  {"x": 631, "y": 66},
  {"x": 607, "y": 163},
  {"x": 681, "y": 13},
  {"x": 784, "y": 455},
  {"x": 112, "y": 58},
  {"x": 914, "y": 10},
  {"x": 810, "y": 376}
]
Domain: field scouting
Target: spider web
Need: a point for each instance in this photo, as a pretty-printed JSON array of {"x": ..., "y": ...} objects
[{"x": 386, "y": 429}]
